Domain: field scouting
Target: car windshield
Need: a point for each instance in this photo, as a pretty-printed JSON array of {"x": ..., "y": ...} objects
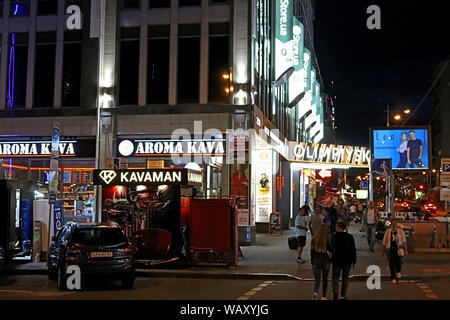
[{"x": 99, "y": 236}]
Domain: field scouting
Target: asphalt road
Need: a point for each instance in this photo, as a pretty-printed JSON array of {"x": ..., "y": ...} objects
[{"x": 39, "y": 287}]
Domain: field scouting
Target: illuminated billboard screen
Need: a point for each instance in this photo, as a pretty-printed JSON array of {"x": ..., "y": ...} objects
[
  {"x": 407, "y": 147},
  {"x": 362, "y": 194}
]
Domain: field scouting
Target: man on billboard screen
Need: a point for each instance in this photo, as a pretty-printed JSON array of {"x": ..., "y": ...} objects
[
  {"x": 407, "y": 147},
  {"x": 415, "y": 151}
]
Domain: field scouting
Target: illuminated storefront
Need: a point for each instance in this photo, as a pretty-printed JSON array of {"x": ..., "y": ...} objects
[
  {"x": 25, "y": 158},
  {"x": 205, "y": 154}
]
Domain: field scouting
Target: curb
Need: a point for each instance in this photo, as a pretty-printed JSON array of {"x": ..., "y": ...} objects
[
  {"x": 158, "y": 273},
  {"x": 270, "y": 276}
]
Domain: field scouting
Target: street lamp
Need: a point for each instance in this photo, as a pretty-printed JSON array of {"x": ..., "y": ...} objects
[
  {"x": 407, "y": 111},
  {"x": 397, "y": 117}
]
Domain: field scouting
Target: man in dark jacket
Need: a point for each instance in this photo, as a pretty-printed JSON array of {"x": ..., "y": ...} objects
[{"x": 343, "y": 257}]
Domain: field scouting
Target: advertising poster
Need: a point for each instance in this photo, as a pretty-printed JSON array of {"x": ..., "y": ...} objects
[
  {"x": 295, "y": 81},
  {"x": 283, "y": 36},
  {"x": 307, "y": 70},
  {"x": 263, "y": 185},
  {"x": 408, "y": 148},
  {"x": 239, "y": 192},
  {"x": 58, "y": 216}
]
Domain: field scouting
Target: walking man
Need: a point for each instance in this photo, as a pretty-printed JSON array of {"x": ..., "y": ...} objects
[
  {"x": 343, "y": 257},
  {"x": 300, "y": 231},
  {"x": 316, "y": 220},
  {"x": 370, "y": 219}
]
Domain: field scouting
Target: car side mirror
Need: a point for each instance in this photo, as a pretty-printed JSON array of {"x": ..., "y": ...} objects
[{"x": 54, "y": 238}]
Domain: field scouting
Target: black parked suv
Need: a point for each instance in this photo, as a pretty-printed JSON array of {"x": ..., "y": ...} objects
[{"x": 96, "y": 250}]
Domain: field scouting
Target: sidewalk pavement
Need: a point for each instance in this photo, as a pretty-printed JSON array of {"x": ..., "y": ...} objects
[{"x": 271, "y": 258}]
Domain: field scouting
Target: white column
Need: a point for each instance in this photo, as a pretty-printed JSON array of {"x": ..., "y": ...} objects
[
  {"x": 143, "y": 53},
  {"x": 4, "y": 56},
  {"x": 57, "y": 100},
  {"x": 173, "y": 53},
  {"x": 204, "y": 54},
  {"x": 31, "y": 55}
]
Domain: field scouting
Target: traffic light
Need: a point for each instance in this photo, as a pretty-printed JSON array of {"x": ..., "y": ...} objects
[{"x": 421, "y": 187}]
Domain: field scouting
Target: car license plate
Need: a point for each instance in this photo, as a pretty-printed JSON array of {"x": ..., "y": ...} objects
[{"x": 101, "y": 254}]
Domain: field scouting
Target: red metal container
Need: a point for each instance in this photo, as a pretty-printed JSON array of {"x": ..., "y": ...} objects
[{"x": 212, "y": 230}]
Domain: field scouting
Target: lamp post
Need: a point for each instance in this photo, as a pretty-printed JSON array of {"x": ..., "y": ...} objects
[{"x": 397, "y": 117}]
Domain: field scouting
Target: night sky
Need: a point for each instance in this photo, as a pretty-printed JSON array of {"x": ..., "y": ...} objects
[{"x": 371, "y": 68}]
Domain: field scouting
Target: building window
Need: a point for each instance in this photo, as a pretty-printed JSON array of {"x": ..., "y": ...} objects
[
  {"x": 44, "y": 76},
  {"x": 47, "y": 7},
  {"x": 218, "y": 62},
  {"x": 17, "y": 70},
  {"x": 188, "y": 63},
  {"x": 131, "y": 4},
  {"x": 158, "y": 64},
  {"x": 183, "y": 3},
  {"x": 129, "y": 66},
  {"x": 159, "y": 4},
  {"x": 71, "y": 69}
]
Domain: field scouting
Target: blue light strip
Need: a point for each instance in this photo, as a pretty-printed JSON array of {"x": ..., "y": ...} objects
[{"x": 18, "y": 10}]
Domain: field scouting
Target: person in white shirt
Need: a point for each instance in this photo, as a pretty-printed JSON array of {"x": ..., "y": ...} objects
[
  {"x": 300, "y": 231},
  {"x": 370, "y": 220}
]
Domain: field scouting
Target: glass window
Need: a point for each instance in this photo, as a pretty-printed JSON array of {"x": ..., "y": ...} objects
[
  {"x": 159, "y": 4},
  {"x": 17, "y": 70},
  {"x": 185, "y": 30},
  {"x": 129, "y": 66},
  {"x": 218, "y": 1},
  {"x": 99, "y": 236},
  {"x": 44, "y": 77},
  {"x": 71, "y": 69},
  {"x": 189, "y": 3},
  {"x": 218, "y": 66},
  {"x": 188, "y": 70},
  {"x": 158, "y": 64},
  {"x": 47, "y": 7},
  {"x": 131, "y": 4}
]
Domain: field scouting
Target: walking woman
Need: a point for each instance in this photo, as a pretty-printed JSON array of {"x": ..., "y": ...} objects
[
  {"x": 394, "y": 243},
  {"x": 320, "y": 259}
]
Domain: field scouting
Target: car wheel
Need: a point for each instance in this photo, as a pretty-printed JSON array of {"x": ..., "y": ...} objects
[
  {"x": 61, "y": 278},
  {"x": 52, "y": 275},
  {"x": 128, "y": 281}
]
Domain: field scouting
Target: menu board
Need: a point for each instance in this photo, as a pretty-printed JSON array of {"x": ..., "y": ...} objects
[
  {"x": 67, "y": 176},
  {"x": 77, "y": 177},
  {"x": 87, "y": 176}
]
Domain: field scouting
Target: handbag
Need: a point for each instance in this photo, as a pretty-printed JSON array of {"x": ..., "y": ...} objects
[{"x": 401, "y": 252}]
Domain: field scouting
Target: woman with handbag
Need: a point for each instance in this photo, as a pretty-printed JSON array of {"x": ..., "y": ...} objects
[{"x": 394, "y": 244}]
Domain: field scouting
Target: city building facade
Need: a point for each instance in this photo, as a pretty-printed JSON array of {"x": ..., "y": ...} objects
[{"x": 120, "y": 76}]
